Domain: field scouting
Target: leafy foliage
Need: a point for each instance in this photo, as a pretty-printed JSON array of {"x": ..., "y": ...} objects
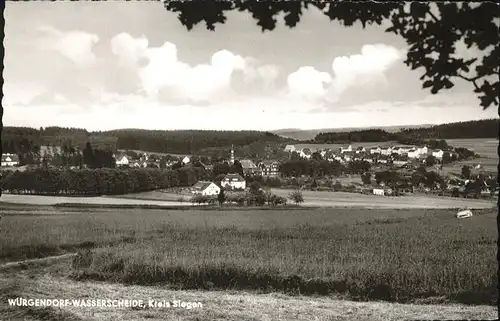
[
  {"x": 427, "y": 30},
  {"x": 102, "y": 181},
  {"x": 296, "y": 197}
]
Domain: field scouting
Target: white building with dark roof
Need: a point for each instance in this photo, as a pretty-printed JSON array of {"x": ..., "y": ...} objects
[
  {"x": 205, "y": 188},
  {"x": 122, "y": 160},
  {"x": 10, "y": 160},
  {"x": 249, "y": 168},
  {"x": 233, "y": 181},
  {"x": 269, "y": 168}
]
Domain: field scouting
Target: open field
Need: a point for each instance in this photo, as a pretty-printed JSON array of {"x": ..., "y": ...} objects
[
  {"x": 486, "y": 147},
  {"x": 106, "y": 200},
  {"x": 393, "y": 255},
  {"x": 324, "y": 198},
  {"x": 344, "y": 199},
  {"x": 314, "y": 147},
  {"x": 311, "y": 198}
]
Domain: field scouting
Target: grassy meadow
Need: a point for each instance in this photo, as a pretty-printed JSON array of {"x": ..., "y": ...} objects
[
  {"x": 390, "y": 254},
  {"x": 487, "y": 148}
]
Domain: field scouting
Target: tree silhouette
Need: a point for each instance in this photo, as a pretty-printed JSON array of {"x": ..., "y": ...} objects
[{"x": 431, "y": 33}]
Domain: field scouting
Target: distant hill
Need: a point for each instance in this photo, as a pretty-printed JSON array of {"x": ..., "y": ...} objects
[
  {"x": 160, "y": 141},
  {"x": 487, "y": 128},
  {"x": 309, "y": 134}
]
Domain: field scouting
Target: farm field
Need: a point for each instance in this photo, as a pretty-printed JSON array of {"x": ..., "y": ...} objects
[
  {"x": 105, "y": 200},
  {"x": 311, "y": 198},
  {"x": 394, "y": 255},
  {"x": 343, "y": 199},
  {"x": 314, "y": 147},
  {"x": 486, "y": 147}
]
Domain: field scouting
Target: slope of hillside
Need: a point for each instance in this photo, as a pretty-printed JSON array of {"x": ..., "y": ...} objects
[
  {"x": 486, "y": 128},
  {"x": 308, "y": 134},
  {"x": 16, "y": 139}
]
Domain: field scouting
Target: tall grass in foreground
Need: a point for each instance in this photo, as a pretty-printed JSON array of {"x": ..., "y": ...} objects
[
  {"x": 396, "y": 255},
  {"x": 396, "y": 261}
]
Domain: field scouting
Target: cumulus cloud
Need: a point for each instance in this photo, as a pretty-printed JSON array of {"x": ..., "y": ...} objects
[
  {"x": 21, "y": 94},
  {"x": 308, "y": 83},
  {"x": 364, "y": 69},
  {"x": 74, "y": 45},
  {"x": 161, "y": 71},
  {"x": 128, "y": 49}
]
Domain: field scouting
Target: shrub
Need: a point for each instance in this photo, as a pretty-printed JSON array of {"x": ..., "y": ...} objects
[
  {"x": 296, "y": 197},
  {"x": 201, "y": 199}
]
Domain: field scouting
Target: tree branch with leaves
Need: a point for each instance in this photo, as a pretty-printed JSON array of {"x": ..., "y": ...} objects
[{"x": 431, "y": 33}]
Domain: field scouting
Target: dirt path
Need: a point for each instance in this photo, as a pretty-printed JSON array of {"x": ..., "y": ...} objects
[{"x": 40, "y": 260}]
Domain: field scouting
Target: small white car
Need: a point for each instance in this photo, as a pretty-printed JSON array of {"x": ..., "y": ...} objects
[{"x": 464, "y": 214}]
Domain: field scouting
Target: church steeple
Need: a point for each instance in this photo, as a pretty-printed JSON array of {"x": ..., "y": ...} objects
[{"x": 232, "y": 155}]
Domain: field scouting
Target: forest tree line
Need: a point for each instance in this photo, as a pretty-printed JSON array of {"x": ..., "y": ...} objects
[
  {"x": 157, "y": 141},
  {"x": 487, "y": 128}
]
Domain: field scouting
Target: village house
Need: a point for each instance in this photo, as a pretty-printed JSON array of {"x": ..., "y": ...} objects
[
  {"x": 438, "y": 153},
  {"x": 375, "y": 150},
  {"x": 347, "y": 157},
  {"x": 269, "y": 168},
  {"x": 383, "y": 160},
  {"x": 422, "y": 151},
  {"x": 122, "y": 160},
  {"x": 233, "y": 181},
  {"x": 399, "y": 162},
  {"x": 412, "y": 153},
  {"x": 10, "y": 160},
  {"x": 249, "y": 168},
  {"x": 382, "y": 191},
  {"x": 186, "y": 160},
  {"x": 360, "y": 150},
  {"x": 48, "y": 151},
  {"x": 345, "y": 150},
  {"x": 290, "y": 148},
  {"x": 305, "y": 153},
  {"x": 402, "y": 149},
  {"x": 386, "y": 151},
  {"x": 205, "y": 188}
]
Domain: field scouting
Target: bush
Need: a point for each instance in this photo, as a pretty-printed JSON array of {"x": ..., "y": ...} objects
[
  {"x": 296, "y": 197},
  {"x": 257, "y": 198},
  {"x": 200, "y": 199}
]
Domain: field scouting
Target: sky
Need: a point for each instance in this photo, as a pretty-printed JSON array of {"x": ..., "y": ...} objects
[{"x": 109, "y": 65}]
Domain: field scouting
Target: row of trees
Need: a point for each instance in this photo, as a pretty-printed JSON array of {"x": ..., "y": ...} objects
[
  {"x": 312, "y": 167},
  {"x": 421, "y": 177},
  {"x": 102, "y": 181},
  {"x": 255, "y": 196}
]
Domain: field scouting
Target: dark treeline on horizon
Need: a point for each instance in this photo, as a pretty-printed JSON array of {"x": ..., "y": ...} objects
[
  {"x": 487, "y": 128},
  {"x": 160, "y": 141},
  {"x": 194, "y": 141}
]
